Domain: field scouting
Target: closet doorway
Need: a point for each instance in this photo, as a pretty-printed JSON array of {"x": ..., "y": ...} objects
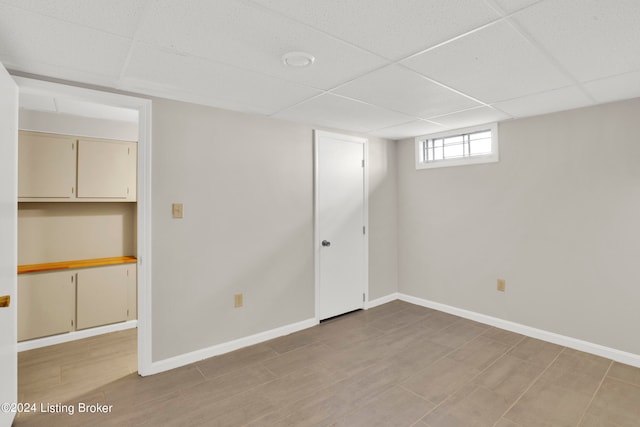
[{"x": 101, "y": 227}]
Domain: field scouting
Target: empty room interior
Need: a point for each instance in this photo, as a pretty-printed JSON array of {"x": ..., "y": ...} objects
[{"x": 320, "y": 213}]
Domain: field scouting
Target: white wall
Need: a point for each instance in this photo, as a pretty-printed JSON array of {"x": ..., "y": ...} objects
[
  {"x": 557, "y": 217},
  {"x": 247, "y": 187},
  {"x": 42, "y": 121}
]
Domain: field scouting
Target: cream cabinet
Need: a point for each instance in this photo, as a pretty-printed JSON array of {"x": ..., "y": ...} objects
[
  {"x": 80, "y": 292},
  {"x": 132, "y": 292},
  {"x": 102, "y": 295},
  {"x": 106, "y": 169},
  {"x": 51, "y": 303},
  {"x": 46, "y": 166},
  {"x": 46, "y": 304},
  {"x": 68, "y": 168}
]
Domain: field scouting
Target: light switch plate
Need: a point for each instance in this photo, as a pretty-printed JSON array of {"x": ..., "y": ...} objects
[{"x": 176, "y": 210}]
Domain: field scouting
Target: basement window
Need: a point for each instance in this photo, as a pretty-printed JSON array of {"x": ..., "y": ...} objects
[{"x": 478, "y": 144}]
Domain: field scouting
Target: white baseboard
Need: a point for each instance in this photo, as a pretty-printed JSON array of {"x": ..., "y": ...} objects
[
  {"x": 75, "y": 335},
  {"x": 382, "y": 300},
  {"x": 216, "y": 350},
  {"x": 574, "y": 343}
]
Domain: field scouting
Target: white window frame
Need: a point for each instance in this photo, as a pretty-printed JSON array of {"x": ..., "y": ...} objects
[{"x": 470, "y": 160}]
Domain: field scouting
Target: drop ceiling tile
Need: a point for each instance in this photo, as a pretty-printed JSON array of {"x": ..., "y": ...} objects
[
  {"x": 341, "y": 113},
  {"x": 615, "y": 88},
  {"x": 475, "y": 116},
  {"x": 492, "y": 64},
  {"x": 393, "y": 29},
  {"x": 546, "y": 102},
  {"x": 29, "y": 40},
  {"x": 192, "y": 79},
  {"x": 32, "y": 101},
  {"x": 408, "y": 130},
  {"x": 114, "y": 16},
  {"x": 510, "y": 6},
  {"x": 250, "y": 37},
  {"x": 591, "y": 38},
  {"x": 399, "y": 89}
]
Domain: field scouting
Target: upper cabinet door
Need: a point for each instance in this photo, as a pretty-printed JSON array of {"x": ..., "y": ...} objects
[
  {"x": 104, "y": 169},
  {"x": 46, "y": 166}
]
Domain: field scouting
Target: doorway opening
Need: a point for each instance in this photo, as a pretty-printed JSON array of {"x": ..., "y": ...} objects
[{"x": 103, "y": 236}]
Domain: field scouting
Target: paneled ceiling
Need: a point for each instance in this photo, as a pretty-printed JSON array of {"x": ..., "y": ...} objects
[{"x": 389, "y": 68}]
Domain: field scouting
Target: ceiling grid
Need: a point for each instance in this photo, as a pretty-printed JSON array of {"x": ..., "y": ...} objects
[{"x": 390, "y": 69}]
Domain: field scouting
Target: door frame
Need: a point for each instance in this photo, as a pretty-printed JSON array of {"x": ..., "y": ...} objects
[
  {"x": 317, "y": 134},
  {"x": 144, "y": 108},
  {"x": 9, "y": 250}
]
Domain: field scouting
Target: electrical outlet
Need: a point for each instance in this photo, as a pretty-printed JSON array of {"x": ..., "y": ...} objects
[
  {"x": 237, "y": 300},
  {"x": 502, "y": 284},
  {"x": 177, "y": 210}
]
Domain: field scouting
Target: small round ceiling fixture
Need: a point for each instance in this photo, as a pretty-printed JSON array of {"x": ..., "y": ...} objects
[{"x": 298, "y": 59}]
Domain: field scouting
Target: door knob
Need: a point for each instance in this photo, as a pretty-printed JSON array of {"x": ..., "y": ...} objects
[{"x": 326, "y": 243}]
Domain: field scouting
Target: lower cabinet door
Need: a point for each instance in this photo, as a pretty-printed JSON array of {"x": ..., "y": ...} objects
[
  {"x": 102, "y": 296},
  {"x": 132, "y": 291},
  {"x": 46, "y": 304}
]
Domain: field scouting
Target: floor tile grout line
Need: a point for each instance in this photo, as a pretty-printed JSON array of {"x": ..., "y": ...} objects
[
  {"x": 454, "y": 349},
  {"x": 586, "y": 408},
  {"x": 535, "y": 380},
  {"x": 470, "y": 380},
  {"x": 415, "y": 394},
  {"x": 201, "y": 373},
  {"x": 399, "y": 327},
  {"x": 522, "y": 337},
  {"x": 275, "y": 376},
  {"x": 395, "y": 377},
  {"x": 637, "y": 385},
  {"x": 284, "y": 376},
  {"x": 399, "y": 382}
]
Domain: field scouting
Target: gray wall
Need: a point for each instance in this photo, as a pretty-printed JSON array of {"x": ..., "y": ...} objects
[
  {"x": 247, "y": 187},
  {"x": 558, "y": 217},
  {"x": 383, "y": 232}
]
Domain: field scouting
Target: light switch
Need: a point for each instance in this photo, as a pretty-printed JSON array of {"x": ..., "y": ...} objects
[{"x": 176, "y": 210}]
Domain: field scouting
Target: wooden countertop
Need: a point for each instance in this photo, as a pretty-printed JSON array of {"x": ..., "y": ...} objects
[{"x": 82, "y": 263}]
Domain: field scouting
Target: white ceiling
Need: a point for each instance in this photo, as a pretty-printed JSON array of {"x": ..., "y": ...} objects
[
  {"x": 390, "y": 68},
  {"x": 35, "y": 98}
]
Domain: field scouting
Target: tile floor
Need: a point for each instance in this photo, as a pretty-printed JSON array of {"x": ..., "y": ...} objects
[{"x": 394, "y": 365}]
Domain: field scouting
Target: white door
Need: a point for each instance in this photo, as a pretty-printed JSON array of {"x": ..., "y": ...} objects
[
  {"x": 8, "y": 245},
  {"x": 340, "y": 224}
]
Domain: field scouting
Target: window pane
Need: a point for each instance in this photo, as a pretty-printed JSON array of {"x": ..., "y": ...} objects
[
  {"x": 457, "y": 139},
  {"x": 460, "y": 148},
  {"x": 453, "y": 151},
  {"x": 437, "y": 155},
  {"x": 480, "y": 143}
]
